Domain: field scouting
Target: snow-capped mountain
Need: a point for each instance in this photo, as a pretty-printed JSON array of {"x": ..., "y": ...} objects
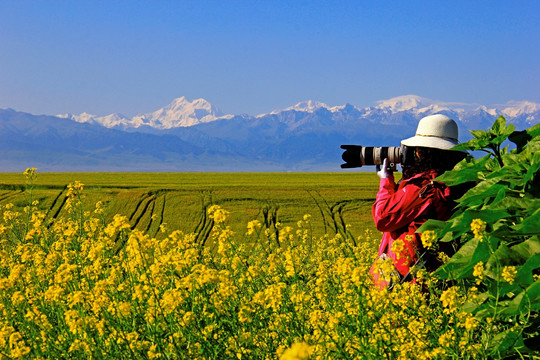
[
  {"x": 404, "y": 103},
  {"x": 517, "y": 108},
  {"x": 180, "y": 112},
  {"x": 195, "y": 136},
  {"x": 309, "y": 106}
]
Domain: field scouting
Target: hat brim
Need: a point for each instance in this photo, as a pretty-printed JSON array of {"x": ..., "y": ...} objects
[{"x": 430, "y": 142}]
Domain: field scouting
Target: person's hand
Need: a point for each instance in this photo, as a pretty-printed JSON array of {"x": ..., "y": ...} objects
[{"x": 383, "y": 173}]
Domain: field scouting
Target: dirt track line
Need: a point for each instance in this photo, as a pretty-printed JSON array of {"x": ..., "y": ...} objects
[
  {"x": 151, "y": 220},
  {"x": 145, "y": 208},
  {"x": 55, "y": 201},
  {"x": 11, "y": 194},
  {"x": 161, "y": 217},
  {"x": 132, "y": 215}
]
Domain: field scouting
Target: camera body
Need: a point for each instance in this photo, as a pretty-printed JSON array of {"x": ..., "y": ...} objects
[{"x": 358, "y": 156}]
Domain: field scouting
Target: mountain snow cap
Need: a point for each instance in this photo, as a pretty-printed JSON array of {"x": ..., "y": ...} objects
[
  {"x": 309, "y": 106},
  {"x": 180, "y": 112},
  {"x": 517, "y": 108},
  {"x": 405, "y": 103}
]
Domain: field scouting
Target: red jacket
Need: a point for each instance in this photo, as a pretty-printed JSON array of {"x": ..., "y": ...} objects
[{"x": 399, "y": 212}]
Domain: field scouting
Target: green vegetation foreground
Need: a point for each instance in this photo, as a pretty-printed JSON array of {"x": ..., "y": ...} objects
[{"x": 83, "y": 287}]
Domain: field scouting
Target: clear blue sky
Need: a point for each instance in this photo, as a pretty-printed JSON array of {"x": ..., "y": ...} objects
[{"x": 255, "y": 56}]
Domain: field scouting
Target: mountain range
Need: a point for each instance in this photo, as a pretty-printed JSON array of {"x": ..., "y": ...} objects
[{"x": 197, "y": 136}]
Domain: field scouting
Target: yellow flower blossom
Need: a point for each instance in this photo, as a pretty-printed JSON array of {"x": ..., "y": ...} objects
[
  {"x": 478, "y": 272},
  {"x": 443, "y": 257},
  {"x": 297, "y": 351},
  {"x": 470, "y": 323},
  {"x": 253, "y": 226},
  {"x": 86, "y": 285},
  {"x": 447, "y": 339},
  {"x": 29, "y": 172},
  {"x": 509, "y": 274},
  {"x": 428, "y": 239},
  {"x": 397, "y": 248},
  {"x": 99, "y": 208},
  {"x": 478, "y": 227},
  {"x": 217, "y": 213},
  {"x": 449, "y": 299}
]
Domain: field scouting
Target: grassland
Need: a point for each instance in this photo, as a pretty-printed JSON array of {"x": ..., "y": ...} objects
[{"x": 179, "y": 200}]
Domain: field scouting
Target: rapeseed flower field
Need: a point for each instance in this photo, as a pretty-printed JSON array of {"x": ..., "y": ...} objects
[{"x": 81, "y": 287}]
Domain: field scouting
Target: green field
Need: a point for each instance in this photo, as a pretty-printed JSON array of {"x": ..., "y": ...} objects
[{"x": 179, "y": 200}]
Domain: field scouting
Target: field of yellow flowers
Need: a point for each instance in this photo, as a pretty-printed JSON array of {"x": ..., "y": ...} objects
[{"x": 80, "y": 287}]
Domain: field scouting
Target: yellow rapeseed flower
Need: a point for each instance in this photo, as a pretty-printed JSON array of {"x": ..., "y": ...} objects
[
  {"x": 253, "y": 226},
  {"x": 449, "y": 299},
  {"x": 471, "y": 323},
  {"x": 509, "y": 274},
  {"x": 478, "y": 227},
  {"x": 443, "y": 257},
  {"x": 478, "y": 272},
  {"x": 99, "y": 208},
  {"x": 30, "y": 173},
  {"x": 217, "y": 213},
  {"x": 297, "y": 351},
  {"x": 397, "y": 248},
  {"x": 428, "y": 238},
  {"x": 447, "y": 339}
]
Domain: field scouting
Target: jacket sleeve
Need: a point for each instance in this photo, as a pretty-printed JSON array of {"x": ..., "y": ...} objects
[{"x": 394, "y": 209}]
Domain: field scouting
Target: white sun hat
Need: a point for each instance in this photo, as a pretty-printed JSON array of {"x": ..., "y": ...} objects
[{"x": 434, "y": 131}]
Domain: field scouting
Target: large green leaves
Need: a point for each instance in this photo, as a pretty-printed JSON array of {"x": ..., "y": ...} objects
[{"x": 505, "y": 195}]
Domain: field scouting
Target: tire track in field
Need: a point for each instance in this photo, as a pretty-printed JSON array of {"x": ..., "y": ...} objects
[
  {"x": 147, "y": 200},
  {"x": 151, "y": 220},
  {"x": 132, "y": 215},
  {"x": 55, "y": 201},
  {"x": 337, "y": 215},
  {"x": 12, "y": 187},
  {"x": 205, "y": 225},
  {"x": 11, "y": 194},
  {"x": 57, "y": 213},
  {"x": 161, "y": 217},
  {"x": 332, "y": 214}
]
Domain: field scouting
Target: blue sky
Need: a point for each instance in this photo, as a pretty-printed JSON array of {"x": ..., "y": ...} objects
[{"x": 256, "y": 56}]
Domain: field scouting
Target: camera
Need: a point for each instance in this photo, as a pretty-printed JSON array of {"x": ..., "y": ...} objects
[{"x": 357, "y": 155}]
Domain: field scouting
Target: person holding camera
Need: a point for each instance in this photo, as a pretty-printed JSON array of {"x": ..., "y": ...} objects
[{"x": 400, "y": 209}]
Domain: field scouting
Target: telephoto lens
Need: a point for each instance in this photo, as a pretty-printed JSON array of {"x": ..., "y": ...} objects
[
  {"x": 357, "y": 155},
  {"x": 375, "y": 155}
]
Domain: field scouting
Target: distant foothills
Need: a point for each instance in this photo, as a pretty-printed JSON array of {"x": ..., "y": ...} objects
[{"x": 187, "y": 136}]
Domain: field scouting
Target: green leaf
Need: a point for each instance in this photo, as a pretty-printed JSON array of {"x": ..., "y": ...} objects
[
  {"x": 477, "y": 305},
  {"x": 479, "y": 194},
  {"x": 517, "y": 203},
  {"x": 433, "y": 225},
  {"x": 479, "y": 134},
  {"x": 465, "y": 171},
  {"x": 489, "y": 216},
  {"x": 504, "y": 341},
  {"x": 530, "y": 225},
  {"x": 525, "y": 273},
  {"x": 460, "y": 222},
  {"x": 527, "y": 301},
  {"x": 528, "y": 248},
  {"x": 498, "y": 125},
  {"x": 520, "y": 254},
  {"x": 461, "y": 264}
]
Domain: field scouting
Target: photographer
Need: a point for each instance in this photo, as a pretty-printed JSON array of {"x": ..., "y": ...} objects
[{"x": 399, "y": 210}]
